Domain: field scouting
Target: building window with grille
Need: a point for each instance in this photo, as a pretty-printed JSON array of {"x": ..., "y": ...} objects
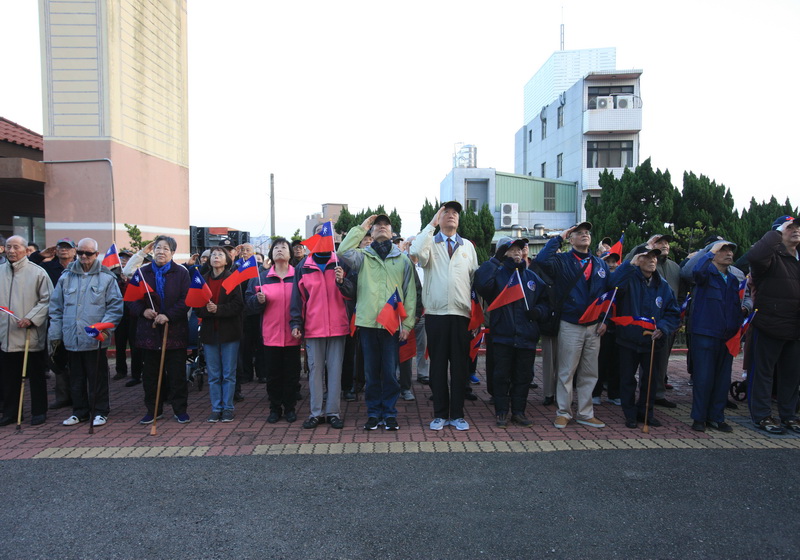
[
  {"x": 594, "y": 92},
  {"x": 530, "y": 136},
  {"x": 560, "y": 116},
  {"x": 601, "y": 155},
  {"x": 472, "y": 204},
  {"x": 559, "y": 165},
  {"x": 549, "y": 197},
  {"x": 544, "y": 129},
  {"x": 544, "y": 169}
]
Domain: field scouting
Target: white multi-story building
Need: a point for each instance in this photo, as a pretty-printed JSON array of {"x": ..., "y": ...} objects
[{"x": 591, "y": 126}]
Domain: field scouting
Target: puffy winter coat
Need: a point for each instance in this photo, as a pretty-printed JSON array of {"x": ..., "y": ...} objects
[
  {"x": 275, "y": 329},
  {"x": 318, "y": 308},
  {"x": 25, "y": 289}
]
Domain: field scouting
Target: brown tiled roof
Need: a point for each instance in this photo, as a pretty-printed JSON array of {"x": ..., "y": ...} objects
[{"x": 16, "y": 134}]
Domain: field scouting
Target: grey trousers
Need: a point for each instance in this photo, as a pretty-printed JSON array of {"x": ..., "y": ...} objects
[{"x": 328, "y": 354}]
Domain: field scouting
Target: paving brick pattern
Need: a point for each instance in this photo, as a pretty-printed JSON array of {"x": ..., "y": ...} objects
[{"x": 250, "y": 434}]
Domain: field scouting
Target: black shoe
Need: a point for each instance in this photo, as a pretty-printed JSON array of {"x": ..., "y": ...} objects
[
  {"x": 273, "y": 417},
  {"x": 521, "y": 420},
  {"x": 720, "y": 426},
  {"x": 59, "y": 404},
  {"x": 501, "y": 421},
  {"x": 291, "y": 416},
  {"x": 262, "y": 379},
  {"x": 424, "y": 380},
  {"x": 665, "y": 403},
  {"x": 120, "y": 375},
  {"x": 631, "y": 424},
  {"x": 350, "y": 396},
  {"x": 336, "y": 422},
  {"x": 699, "y": 426},
  {"x": 7, "y": 421},
  {"x": 237, "y": 397},
  {"x": 655, "y": 422},
  {"x": 372, "y": 423},
  {"x": 38, "y": 419},
  {"x": 534, "y": 385},
  {"x": 311, "y": 423},
  {"x": 391, "y": 423},
  {"x": 470, "y": 397},
  {"x": 548, "y": 401},
  {"x": 133, "y": 382},
  {"x": 731, "y": 405}
]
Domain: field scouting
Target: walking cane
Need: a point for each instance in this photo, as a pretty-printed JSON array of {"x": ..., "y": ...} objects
[
  {"x": 646, "y": 428},
  {"x": 24, "y": 374},
  {"x": 160, "y": 377},
  {"x": 94, "y": 389}
]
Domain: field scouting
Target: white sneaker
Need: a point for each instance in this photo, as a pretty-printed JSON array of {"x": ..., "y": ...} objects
[
  {"x": 407, "y": 395},
  {"x": 595, "y": 400},
  {"x": 617, "y": 402},
  {"x": 438, "y": 423},
  {"x": 99, "y": 420},
  {"x": 71, "y": 421},
  {"x": 460, "y": 424}
]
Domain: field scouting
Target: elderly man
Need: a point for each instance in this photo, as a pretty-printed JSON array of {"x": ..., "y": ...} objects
[
  {"x": 87, "y": 293},
  {"x": 381, "y": 269},
  {"x": 775, "y": 269},
  {"x": 449, "y": 262},
  {"x": 25, "y": 291},
  {"x": 580, "y": 278}
]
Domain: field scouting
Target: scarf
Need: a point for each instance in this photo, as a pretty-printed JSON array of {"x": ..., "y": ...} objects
[
  {"x": 383, "y": 248},
  {"x": 160, "y": 272}
]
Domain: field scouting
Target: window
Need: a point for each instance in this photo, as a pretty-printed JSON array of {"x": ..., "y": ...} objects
[
  {"x": 472, "y": 204},
  {"x": 530, "y": 136},
  {"x": 544, "y": 170},
  {"x": 595, "y": 92},
  {"x": 559, "y": 165},
  {"x": 544, "y": 129},
  {"x": 560, "y": 116},
  {"x": 549, "y": 197},
  {"x": 31, "y": 228},
  {"x": 609, "y": 154}
]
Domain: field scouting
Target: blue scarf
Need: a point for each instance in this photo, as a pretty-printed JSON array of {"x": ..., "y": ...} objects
[{"x": 160, "y": 274}]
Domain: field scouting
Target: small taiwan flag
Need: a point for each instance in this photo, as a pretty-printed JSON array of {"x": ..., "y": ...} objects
[
  {"x": 392, "y": 314},
  {"x": 476, "y": 314},
  {"x": 321, "y": 242},
  {"x": 734, "y": 343},
  {"x": 644, "y": 322},
  {"x": 199, "y": 293},
  {"x": 112, "y": 257},
  {"x": 685, "y": 306},
  {"x": 511, "y": 293},
  {"x": 247, "y": 270},
  {"x": 742, "y": 288},
  {"x": 408, "y": 348},
  {"x": 597, "y": 308},
  {"x": 137, "y": 287},
  {"x": 616, "y": 248},
  {"x": 96, "y": 330},
  {"x": 475, "y": 344}
]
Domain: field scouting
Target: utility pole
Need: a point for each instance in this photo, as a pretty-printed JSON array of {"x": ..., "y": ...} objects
[{"x": 272, "y": 204}]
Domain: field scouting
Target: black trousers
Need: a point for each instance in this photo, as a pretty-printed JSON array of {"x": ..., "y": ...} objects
[
  {"x": 88, "y": 375},
  {"x": 121, "y": 336},
  {"x": 173, "y": 385},
  {"x": 349, "y": 363},
  {"x": 11, "y": 368},
  {"x": 283, "y": 376},
  {"x": 608, "y": 366},
  {"x": 448, "y": 344},
  {"x": 629, "y": 362},
  {"x": 513, "y": 372}
]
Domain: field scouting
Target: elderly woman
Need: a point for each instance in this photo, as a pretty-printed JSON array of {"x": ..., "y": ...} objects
[
  {"x": 166, "y": 305},
  {"x": 270, "y": 294},
  {"x": 220, "y": 333}
]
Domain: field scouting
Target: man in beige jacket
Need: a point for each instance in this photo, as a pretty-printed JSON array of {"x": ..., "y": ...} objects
[{"x": 24, "y": 291}]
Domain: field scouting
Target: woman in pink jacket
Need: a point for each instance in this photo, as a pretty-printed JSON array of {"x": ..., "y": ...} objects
[{"x": 271, "y": 294}]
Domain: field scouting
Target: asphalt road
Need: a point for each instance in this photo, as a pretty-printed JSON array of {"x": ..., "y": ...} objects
[{"x": 584, "y": 504}]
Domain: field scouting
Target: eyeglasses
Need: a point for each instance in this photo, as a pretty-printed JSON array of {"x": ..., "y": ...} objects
[{"x": 86, "y": 253}]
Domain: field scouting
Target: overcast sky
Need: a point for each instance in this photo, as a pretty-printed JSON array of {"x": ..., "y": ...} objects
[{"x": 362, "y": 102}]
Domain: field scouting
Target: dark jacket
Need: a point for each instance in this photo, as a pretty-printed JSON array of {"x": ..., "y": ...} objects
[
  {"x": 174, "y": 307},
  {"x": 52, "y": 267},
  {"x": 512, "y": 324},
  {"x": 776, "y": 275},
  {"x": 716, "y": 306},
  {"x": 226, "y": 324},
  {"x": 638, "y": 298},
  {"x": 563, "y": 268}
]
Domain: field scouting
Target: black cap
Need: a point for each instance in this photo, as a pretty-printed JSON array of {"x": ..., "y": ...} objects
[
  {"x": 381, "y": 217},
  {"x": 505, "y": 243},
  {"x": 455, "y": 205},
  {"x": 649, "y": 252},
  {"x": 661, "y": 236},
  {"x": 583, "y": 225}
]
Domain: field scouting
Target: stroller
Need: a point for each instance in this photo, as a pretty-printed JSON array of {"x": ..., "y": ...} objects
[{"x": 195, "y": 359}]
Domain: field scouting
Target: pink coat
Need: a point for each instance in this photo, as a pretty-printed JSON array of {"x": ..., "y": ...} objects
[
  {"x": 275, "y": 329},
  {"x": 318, "y": 307}
]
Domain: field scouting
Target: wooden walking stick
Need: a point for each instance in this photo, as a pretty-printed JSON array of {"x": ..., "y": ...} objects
[
  {"x": 160, "y": 377},
  {"x": 646, "y": 428},
  {"x": 94, "y": 388},
  {"x": 24, "y": 374}
]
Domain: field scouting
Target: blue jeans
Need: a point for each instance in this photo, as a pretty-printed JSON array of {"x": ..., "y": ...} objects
[
  {"x": 221, "y": 362},
  {"x": 712, "y": 378},
  {"x": 381, "y": 353}
]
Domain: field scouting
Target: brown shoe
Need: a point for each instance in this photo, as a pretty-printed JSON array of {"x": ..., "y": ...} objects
[
  {"x": 561, "y": 422},
  {"x": 591, "y": 422}
]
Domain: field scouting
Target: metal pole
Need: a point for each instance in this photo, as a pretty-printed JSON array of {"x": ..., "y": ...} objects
[
  {"x": 113, "y": 195},
  {"x": 272, "y": 204}
]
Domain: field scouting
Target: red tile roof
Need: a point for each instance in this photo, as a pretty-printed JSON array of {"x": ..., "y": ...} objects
[{"x": 16, "y": 134}]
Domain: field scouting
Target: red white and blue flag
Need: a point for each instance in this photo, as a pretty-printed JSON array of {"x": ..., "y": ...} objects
[
  {"x": 408, "y": 347},
  {"x": 599, "y": 306},
  {"x": 112, "y": 257},
  {"x": 199, "y": 293},
  {"x": 476, "y": 314},
  {"x": 511, "y": 293},
  {"x": 321, "y": 242},
  {"x": 685, "y": 306},
  {"x": 137, "y": 287},
  {"x": 392, "y": 314},
  {"x": 7, "y": 311},
  {"x": 617, "y": 247},
  {"x": 742, "y": 288},
  {"x": 734, "y": 343},
  {"x": 96, "y": 330},
  {"x": 475, "y": 344},
  {"x": 644, "y": 322},
  {"x": 247, "y": 270}
]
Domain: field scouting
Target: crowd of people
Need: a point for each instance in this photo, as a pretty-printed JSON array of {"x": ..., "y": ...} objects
[{"x": 363, "y": 313}]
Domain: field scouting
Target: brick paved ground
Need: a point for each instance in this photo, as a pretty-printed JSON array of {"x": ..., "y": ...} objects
[{"x": 249, "y": 434}]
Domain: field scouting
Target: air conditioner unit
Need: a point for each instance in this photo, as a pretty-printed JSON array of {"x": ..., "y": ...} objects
[
  {"x": 605, "y": 103},
  {"x": 509, "y": 214},
  {"x": 624, "y": 102}
]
